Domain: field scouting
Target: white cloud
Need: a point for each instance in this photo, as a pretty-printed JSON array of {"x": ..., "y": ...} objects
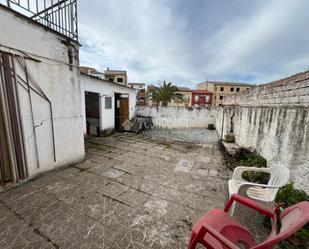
[
  {"x": 154, "y": 41},
  {"x": 259, "y": 44}
]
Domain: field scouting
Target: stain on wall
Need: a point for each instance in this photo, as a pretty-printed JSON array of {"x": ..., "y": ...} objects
[
  {"x": 273, "y": 118},
  {"x": 280, "y": 134}
]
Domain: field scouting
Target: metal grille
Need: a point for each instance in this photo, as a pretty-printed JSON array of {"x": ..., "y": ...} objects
[{"x": 58, "y": 15}]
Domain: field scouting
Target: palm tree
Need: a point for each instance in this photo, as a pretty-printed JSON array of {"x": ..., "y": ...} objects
[{"x": 165, "y": 93}]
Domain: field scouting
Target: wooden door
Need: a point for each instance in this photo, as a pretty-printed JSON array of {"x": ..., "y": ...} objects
[{"x": 123, "y": 111}]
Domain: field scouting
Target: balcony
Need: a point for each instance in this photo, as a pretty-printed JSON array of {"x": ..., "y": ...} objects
[{"x": 58, "y": 15}]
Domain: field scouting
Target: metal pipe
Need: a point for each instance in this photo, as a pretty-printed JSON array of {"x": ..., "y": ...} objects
[
  {"x": 223, "y": 111},
  {"x": 22, "y": 134},
  {"x": 41, "y": 93},
  {"x": 32, "y": 115}
]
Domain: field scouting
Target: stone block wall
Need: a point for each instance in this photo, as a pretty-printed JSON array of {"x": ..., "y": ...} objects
[{"x": 293, "y": 90}]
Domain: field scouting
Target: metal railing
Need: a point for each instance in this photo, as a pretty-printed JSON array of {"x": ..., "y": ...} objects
[{"x": 58, "y": 15}]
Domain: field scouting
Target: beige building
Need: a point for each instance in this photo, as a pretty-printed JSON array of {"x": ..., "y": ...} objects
[
  {"x": 91, "y": 71},
  {"x": 221, "y": 89},
  {"x": 117, "y": 76},
  {"x": 141, "y": 96},
  {"x": 186, "y": 99}
]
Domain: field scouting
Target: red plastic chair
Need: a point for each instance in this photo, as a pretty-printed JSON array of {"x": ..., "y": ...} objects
[{"x": 218, "y": 230}]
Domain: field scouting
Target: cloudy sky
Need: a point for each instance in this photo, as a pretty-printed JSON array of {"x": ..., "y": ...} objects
[{"x": 190, "y": 41}]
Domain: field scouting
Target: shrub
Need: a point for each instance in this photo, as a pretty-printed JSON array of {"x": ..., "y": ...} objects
[
  {"x": 256, "y": 177},
  {"x": 245, "y": 157},
  {"x": 254, "y": 160},
  {"x": 288, "y": 196}
]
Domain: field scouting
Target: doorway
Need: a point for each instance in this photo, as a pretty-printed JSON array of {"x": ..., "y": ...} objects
[
  {"x": 121, "y": 110},
  {"x": 92, "y": 103}
]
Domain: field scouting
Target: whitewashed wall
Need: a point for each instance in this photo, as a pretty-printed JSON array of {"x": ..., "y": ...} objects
[
  {"x": 178, "y": 117},
  {"x": 280, "y": 134},
  {"x": 59, "y": 81},
  {"x": 106, "y": 89},
  {"x": 274, "y": 119}
]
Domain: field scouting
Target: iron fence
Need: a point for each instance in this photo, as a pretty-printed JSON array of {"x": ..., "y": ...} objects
[{"x": 58, "y": 15}]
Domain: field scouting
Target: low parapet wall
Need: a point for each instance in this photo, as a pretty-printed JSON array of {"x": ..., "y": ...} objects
[
  {"x": 179, "y": 117},
  {"x": 293, "y": 90}
]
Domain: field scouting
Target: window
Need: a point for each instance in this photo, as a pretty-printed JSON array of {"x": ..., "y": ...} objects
[
  {"x": 237, "y": 89},
  {"x": 221, "y": 88},
  {"x": 108, "y": 102},
  {"x": 119, "y": 80},
  {"x": 221, "y": 97},
  {"x": 232, "y": 89},
  {"x": 247, "y": 88},
  {"x": 110, "y": 79},
  {"x": 206, "y": 98},
  {"x": 186, "y": 96},
  {"x": 196, "y": 98}
]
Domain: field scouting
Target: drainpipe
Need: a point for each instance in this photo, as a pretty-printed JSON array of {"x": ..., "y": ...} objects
[
  {"x": 101, "y": 101},
  {"x": 222, "y": 122}
]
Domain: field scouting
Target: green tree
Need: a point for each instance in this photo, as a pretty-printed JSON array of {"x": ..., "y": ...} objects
[{"x": 165, "y": 93}]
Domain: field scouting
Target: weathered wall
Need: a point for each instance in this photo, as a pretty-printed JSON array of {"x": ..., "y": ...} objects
[
  {"x": 178, "y": 117},
  {"x": 106, "y": 89},
  {"x": 57, "y": 74},
  {"x": 273, "y": 119},
  {"x": 293, "y": 90}
]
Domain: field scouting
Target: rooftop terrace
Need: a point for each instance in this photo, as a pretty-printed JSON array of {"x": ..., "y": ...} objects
[{"x": 132, "y": 191}]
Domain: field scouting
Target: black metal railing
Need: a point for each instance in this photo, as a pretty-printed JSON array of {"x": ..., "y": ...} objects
[{"x": 58, "y": 15}]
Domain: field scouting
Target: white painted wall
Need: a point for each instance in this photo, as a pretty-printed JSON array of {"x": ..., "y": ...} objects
[
  {"x": 280, "y": 134},
  {"x": 178, "y": 117},
  {"x": 106, "y": 89},
  {"x": 59, "y": 81}
]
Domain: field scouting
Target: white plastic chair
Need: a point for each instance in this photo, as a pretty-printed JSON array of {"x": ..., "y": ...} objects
[{"x": 279, "y": 176}]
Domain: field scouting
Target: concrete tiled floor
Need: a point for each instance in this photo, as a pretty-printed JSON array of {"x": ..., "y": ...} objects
[{"x": 127, "y": 194}]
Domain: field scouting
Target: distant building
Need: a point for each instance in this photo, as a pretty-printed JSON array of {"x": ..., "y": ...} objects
[
  {"x": 221, "y": 89},
  {"x": 141, "y": 96},
  {"x": 117, "y": 76},
  {"x": 186, "y": 97},
  {"x": 91, "y": 71},
  {"x": 137, "y": 86},
  {"x": 201, "y": 98}
]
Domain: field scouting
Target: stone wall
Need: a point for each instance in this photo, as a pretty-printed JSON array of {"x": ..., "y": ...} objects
[
  {"x": 273, "y": 119},
  {"x": 179, "y": 117},
  {"x": 293, "y": 90}
]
